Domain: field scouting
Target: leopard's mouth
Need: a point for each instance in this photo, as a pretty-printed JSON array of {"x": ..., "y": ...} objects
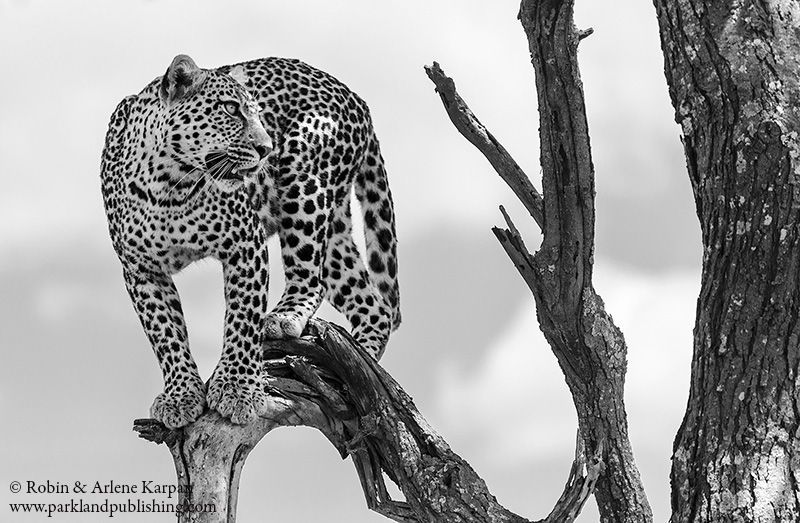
[{"x": 221, "y": 167}]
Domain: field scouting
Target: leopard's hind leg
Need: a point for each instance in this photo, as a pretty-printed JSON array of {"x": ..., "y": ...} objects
[{"x": 349, "y": 287}]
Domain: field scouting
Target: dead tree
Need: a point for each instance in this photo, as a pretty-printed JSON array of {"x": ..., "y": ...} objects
[
  {"x": 324, "y": 380},
  {"x": 732, "y": 71},
  {"x": 590, "y": 349}
]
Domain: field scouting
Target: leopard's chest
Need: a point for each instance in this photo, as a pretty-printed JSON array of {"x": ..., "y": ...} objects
[{"x": 168, "y": 238}]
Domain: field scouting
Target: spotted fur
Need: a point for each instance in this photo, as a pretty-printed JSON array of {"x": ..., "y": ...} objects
[{"x": 211, "y": 163}]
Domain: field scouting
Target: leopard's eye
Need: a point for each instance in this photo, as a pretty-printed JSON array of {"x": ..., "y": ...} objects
[{"x": 232, "y": 108}]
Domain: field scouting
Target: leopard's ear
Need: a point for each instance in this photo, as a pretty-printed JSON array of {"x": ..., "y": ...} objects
[{"x": 182, "y": 78}]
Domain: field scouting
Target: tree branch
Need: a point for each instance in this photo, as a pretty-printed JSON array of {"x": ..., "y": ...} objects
[
  {"x": 474, "y": 131},
  {"x": 590, "y": 349},
  {"x": 582, "y": 479},
  {"x": 325, "y": 380}
]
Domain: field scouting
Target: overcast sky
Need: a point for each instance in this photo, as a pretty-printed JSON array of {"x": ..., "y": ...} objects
[{"x": 76, "y": 368}]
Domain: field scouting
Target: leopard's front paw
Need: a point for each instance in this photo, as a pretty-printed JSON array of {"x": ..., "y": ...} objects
[
  {"x": 284, "y": 325},
  {"x": 238, "y": 399},
  {"x": 179, "y": 408}
]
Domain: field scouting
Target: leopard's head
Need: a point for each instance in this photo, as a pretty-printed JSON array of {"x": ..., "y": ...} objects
[{"x": 212, "y": 126}]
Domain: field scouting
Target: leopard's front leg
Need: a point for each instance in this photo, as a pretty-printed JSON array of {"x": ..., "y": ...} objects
[
  {"x": 158, "y": 305},
  {"x": 236, "y": 389}
]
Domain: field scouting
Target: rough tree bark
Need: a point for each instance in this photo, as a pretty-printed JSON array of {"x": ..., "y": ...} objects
[
  {"x": 325, "y": 381},
  {"x": 732, "y": 68}
]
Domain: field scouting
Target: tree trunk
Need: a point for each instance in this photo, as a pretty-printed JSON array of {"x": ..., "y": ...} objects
[{"x": 732, "y": 69}]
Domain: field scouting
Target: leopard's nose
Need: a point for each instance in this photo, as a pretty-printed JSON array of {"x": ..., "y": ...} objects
[
  {"x": 262, "y": 150},
  {"x": 261, "y": 142}
]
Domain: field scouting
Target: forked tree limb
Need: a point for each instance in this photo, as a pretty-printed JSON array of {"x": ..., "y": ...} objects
[
  {"x": 590, "y": 349},
  {"x": 325, "y": 380}
]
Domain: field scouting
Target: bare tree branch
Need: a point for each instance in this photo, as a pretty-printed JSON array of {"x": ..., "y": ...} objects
[
  {"x": 326, "y": 381},
  {"x": 474, "y": 131},
  {"x": 580, "y": 485},
  {"x": 590, "y": 349}
]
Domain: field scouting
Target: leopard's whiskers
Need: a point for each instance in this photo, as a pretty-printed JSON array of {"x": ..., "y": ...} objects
[
  {"x": 215, "y": 162},
  {"x": 218, "y": 170},
  {"x": 173, "y": 187}
]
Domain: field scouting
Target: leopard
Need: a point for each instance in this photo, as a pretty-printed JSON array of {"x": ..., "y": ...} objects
[{"x": 212, "y": 163}]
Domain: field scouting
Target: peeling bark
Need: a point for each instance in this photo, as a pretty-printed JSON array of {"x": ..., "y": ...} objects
[{"x": 732, "y": 69}]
